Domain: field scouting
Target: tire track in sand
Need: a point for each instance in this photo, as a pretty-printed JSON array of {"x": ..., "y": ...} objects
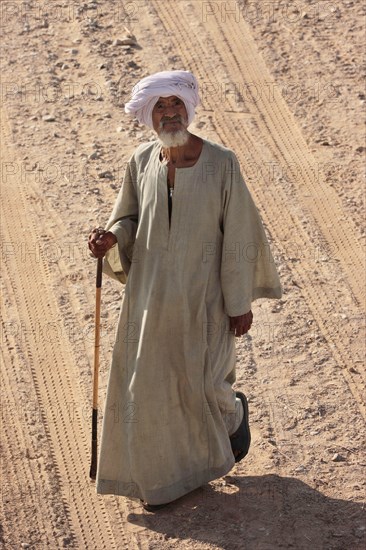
[
  {"x": 210, "y": 46},
  {"x": 51, "y": 364}
]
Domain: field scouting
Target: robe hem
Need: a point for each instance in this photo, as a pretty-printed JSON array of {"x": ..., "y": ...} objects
[{"x": 162, "y": 495}]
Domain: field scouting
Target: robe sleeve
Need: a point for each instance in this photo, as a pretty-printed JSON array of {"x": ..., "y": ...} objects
[
  {"x": 123, "y": 224},
  {"x": 248, "y": 270}
]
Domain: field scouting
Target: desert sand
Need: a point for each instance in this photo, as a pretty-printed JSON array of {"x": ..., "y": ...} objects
[{"x": 282, "y": 85}]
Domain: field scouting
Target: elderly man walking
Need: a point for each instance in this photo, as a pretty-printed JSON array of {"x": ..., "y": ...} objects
[{"x": 187, "y": 241}]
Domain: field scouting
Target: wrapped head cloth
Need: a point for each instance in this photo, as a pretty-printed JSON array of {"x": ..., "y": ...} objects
[{"x": 146, "y": 93}]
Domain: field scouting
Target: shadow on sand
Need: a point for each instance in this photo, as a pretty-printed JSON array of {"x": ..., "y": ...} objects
[{"x": 259, "y": 513}]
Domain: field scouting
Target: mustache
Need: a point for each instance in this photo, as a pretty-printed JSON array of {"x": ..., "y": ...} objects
[{"x": 175, "y": 118}]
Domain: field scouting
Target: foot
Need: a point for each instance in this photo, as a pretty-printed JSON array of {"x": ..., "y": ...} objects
[
  {"x": 240, "y": 440},
  {"x": 153, "y": 507}
]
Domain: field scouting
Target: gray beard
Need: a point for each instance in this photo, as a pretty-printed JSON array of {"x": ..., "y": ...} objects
[{"x": 173, "y": 139}]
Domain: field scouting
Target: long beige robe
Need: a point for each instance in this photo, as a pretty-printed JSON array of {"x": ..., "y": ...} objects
[{"x": 170, "y": 386}]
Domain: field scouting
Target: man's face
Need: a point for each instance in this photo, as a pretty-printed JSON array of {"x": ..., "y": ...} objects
[{"x": 169, "y": 115}]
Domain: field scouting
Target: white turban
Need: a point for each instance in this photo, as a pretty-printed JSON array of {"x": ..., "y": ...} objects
[{"x": 146, "y": 93}]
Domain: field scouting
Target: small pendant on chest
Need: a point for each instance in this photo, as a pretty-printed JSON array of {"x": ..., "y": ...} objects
[{"x": 171, "y": 190}]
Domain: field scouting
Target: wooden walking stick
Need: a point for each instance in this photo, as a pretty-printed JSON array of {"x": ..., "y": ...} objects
[{"x": 94, "y": 444}]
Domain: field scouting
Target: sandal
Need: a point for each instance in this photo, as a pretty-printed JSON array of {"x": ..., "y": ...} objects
[
  {"x": 153, "y": 507},
  {"x": 240, "y": 440}
]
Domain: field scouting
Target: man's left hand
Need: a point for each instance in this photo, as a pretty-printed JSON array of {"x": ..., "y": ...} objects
[{"x": 241, "y": 324}]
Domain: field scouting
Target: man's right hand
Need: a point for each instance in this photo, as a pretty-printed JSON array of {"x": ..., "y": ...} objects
[{"x": 100, "y": 241}]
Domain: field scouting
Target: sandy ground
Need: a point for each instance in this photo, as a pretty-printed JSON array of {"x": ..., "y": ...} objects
[{"x": 282, "y": 85}]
